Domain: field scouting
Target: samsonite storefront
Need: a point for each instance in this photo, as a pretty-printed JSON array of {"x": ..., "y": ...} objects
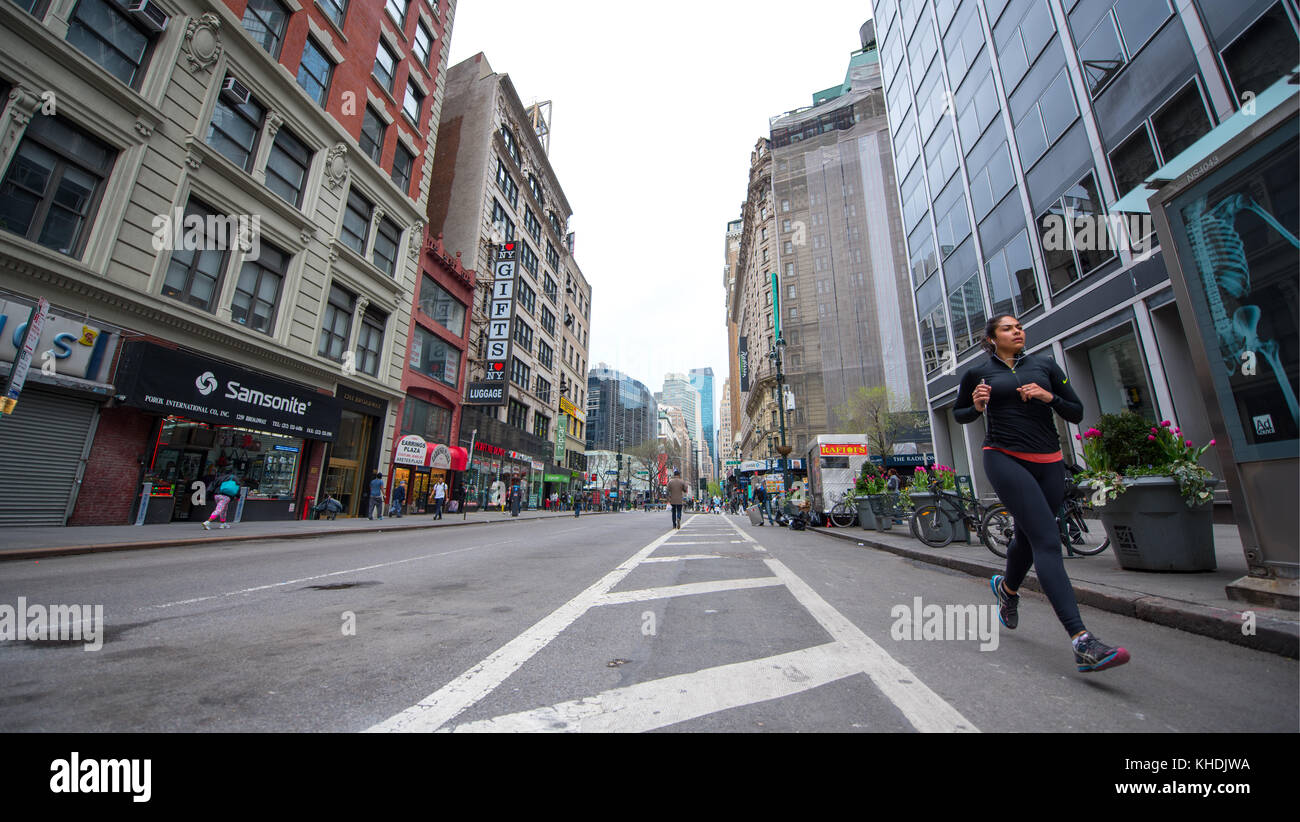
[{"x": 213, "y": 418}]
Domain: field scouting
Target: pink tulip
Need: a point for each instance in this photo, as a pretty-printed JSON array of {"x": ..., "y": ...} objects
[
  {"x": 1151, "y": 437},
  {"x": 1077, "y": 437},
  {"x": 1166, "y": 423},
  {"x": 1211, "y": 442},
  {"x": 1189, "y": 443},
  {"x": 1178, "y": 430}
]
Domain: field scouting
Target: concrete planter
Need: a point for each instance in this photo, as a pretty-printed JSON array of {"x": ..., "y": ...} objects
[
  {"x": 873, "y": 513},
  {"x": 1152, "y": 529}
]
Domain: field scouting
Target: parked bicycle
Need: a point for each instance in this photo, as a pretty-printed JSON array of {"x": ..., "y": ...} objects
[
  {"x": 1078, "y": 537},
  {"x": 936, "y": 523},
  {"x": 844, "y": 511}
]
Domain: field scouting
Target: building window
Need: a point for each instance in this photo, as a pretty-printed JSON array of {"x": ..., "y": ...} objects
[
  {"x": 434, "y": 357},
  {"x": 370, "y": 342},
  {"x": 385, "y": 69},
  {"x": 508, "y": 185},
  {"x": 532, "y": 225},
  {"x": 1262, "y": 55},
  {"x": 433, "y": 422},
  {"x": 966, "y": 309},
  {"x": 512, "y": 145},
  {"x": 545, "y": 355},
  {"x": 194, "y": 275},
  {"x": 388, "y": 238},
  {"x": 1046, "y": 120},
  {"x": 555, "y": 224},
  {"x": 336, "y": 326},
  {"x": 551, "y": 289},
  {"x": 372, "y": 135},
  {"x": 356, "y": 222},
  {"x": 106, "y": 34},
  {"x": 519, "y": 373},
  {"x": 528, "y": 258},
  {"x": 413, "y": 102},
  {"x": 1013, "y": 287},
  {"x": 335, "y": 10},
  {"x": 523, "y": 335},
  {"x": 403, "y": 167},
  {"x": 235, "y": 128},
  {"x": 1180, "y": 122},
  {"x": 517, "y": 414},
  {"x": 1021, "y": 48},
  {"x": 438, "y": 305},
  {"x": 541, "y": 425},
  {"x": 1133, "y": 161},
  {"x": 552, "y": 256},
  {"x": 423, "y": 46},
  {"x": 54, "y": 184},
  {"x": 536, "y": 187},
  {"x": 543, "y": 390},
  {"x": 548, "y": 321},
  {"x": 257, "y": 295},
  {"x": 527, "y": 297},
  {"x": 1079, "y": 213},
  {"x": 397, "y": 10},
  {"x": 314, "y": 72},
  {"x": 934, "y": 340},
  {"x": 501, "y": 221},
  {"x": 286, "y": 167},
  {"x": 265, "y": 20}
]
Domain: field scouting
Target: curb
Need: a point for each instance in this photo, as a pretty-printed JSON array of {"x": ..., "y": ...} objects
[
  {"x": 73, "y": 550},
  {"x": 1273, "y": 635}
]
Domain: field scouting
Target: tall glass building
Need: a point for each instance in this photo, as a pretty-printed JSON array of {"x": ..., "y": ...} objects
[
  {"x": 1011, "y": 118},
  {"x": 702, "y": 380},
  {"x": 618, "y": 406}
]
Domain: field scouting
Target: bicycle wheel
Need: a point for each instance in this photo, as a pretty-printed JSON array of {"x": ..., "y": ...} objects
[
  {"x": 843, "y": 516},
  {"x": 997, "y": 529},
  {"x": 1086, "y": 538},
  {"x": 931, "y": 526}
]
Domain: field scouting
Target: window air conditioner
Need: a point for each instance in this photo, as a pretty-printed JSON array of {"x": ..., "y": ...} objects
[
  {"x": 148, "y": 15},
  {"x": 235, "y": 92}
]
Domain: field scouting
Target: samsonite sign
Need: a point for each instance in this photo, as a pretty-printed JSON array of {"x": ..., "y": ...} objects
[{"x": 167, "y": 381}]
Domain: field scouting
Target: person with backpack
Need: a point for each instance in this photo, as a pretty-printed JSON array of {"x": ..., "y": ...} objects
[
  {"x": 376, "y": 496},
  {"x": 399, "y": 500},
  {"x": 227, "y": 490}
]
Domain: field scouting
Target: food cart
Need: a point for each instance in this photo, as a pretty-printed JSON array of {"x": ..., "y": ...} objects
[{"x": 834, "y": 462}]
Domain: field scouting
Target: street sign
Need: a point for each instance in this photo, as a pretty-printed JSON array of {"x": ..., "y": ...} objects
[
  {"x": 611, "y": 472},
  {"x": 18, "y": 375}
]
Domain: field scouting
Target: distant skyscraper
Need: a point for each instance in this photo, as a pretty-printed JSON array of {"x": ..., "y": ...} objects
[
  {"x": 702, "y": 381},
  {"x": 618, "y": 406}
]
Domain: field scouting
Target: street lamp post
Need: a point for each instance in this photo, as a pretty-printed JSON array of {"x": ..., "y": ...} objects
[{"x": 618, "y": 485}]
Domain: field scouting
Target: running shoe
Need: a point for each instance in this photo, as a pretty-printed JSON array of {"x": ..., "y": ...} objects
[
  {"x": 207, "y": 525},
  {"x": 1091, "y": 654},
  {"x": 1008, "y": 606}
]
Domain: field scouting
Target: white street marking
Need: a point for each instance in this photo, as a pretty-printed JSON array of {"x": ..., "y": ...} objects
[
  {"x": 673, "y": 699},
  {"x": 330, "y": 574},
  {"x": 688, "y": 589},
  {"x": 447, "y": 702},
  {"x": 683, "y": 556}
]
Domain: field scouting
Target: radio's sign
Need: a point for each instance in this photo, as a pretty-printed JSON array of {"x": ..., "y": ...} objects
[{"x": 501, "y": 310}]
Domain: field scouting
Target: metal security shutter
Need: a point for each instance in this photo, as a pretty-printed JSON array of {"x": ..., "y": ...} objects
[{"x": 41, "y": 445}]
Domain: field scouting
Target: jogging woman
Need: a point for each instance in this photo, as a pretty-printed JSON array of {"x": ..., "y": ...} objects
[{"x": 1017, "y": 393}]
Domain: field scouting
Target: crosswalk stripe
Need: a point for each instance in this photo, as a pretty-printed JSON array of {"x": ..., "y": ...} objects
[{"x": 687, "y": 589}]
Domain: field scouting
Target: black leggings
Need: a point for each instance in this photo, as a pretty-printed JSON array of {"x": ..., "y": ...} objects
[{"x": 1033, "y": 493}]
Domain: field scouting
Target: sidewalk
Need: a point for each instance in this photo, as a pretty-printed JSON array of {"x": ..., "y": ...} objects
[
  {"x": 39, "y": 543},
  {"x": 1194, "y": 602}
]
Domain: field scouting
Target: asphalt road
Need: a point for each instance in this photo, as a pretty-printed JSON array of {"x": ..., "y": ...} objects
[{"x": 611, "y": 623}]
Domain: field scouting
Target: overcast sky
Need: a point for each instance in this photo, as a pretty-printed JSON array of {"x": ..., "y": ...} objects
[{"x": 656, "y": 107}]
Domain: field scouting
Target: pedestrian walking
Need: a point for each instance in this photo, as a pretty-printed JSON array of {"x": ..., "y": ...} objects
[
  {"x": 516, "y": 499},
  {"x": 577, "y": 505},
  {"x": 760, "y": 499},
  {"x": 226, "y": 491},
  {"x": 1016, "y": 393},
  {"x": 376, "y": 496},
  {"x": 677, "y": 497},
  {"x": 399, "y": 500},
  {"x": 439, "y": 498}
]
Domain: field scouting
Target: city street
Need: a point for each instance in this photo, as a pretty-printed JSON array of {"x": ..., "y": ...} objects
[{"x": 609, "y": 623}]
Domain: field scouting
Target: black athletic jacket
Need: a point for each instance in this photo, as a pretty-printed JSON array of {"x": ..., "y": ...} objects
[{"x": 1015, "y": 424}]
